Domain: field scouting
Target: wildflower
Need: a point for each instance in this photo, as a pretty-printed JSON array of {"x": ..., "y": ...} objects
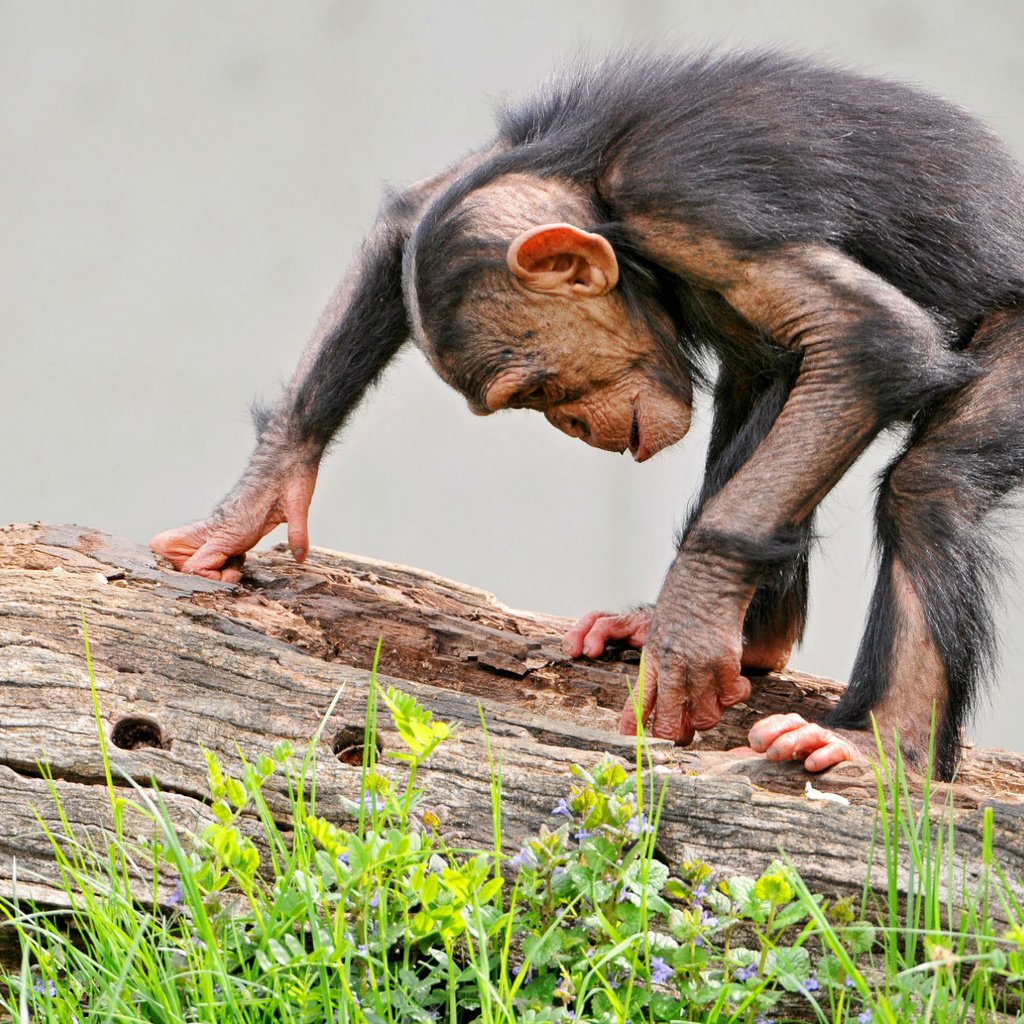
[
  {"x": 660, "y": 971},
  {"x": 865, "y": 1017},
  {"x": 562, "y": 807},
  {"x": 700, "y": 892},
  {"x": 343, "y": 858},
  {"x": 762, "y": 1019},
  {"x": 372, "y": 803},
  {"x": 812, "y": 984},
  {"x": 525, "y": 858},
  {"x": 45, "y": 987},
  {"x": 177, "y": 896},
  {"x": 584, "y": 834},
  {"x": 375, "y": 899},
  {"x": 746, "y": 973},
  {"x": 638, "y": 825}
]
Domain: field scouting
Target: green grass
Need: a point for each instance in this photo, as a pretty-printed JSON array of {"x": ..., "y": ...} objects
[{"x": 383, "y": 921}]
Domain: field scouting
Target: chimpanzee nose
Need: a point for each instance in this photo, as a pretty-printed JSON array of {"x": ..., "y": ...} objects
[{"x": 574, "y": 426}]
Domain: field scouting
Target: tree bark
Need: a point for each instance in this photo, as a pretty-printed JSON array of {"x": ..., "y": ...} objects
[{"x": 184, "y": 664}]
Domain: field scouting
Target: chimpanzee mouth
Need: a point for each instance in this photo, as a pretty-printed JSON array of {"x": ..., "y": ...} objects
[{"x": 634, "y": 434}]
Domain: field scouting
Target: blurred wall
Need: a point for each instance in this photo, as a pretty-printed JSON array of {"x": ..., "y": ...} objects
[{"x": 182, "y": 183}]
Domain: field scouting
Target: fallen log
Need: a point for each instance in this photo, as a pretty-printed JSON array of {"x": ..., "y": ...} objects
[{"x": 184, "y": 664}]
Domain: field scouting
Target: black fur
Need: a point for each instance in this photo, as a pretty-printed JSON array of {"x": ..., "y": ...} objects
[{"x": 764, "y": 152}]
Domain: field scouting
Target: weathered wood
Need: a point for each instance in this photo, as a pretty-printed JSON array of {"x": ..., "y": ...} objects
[{"x": 184, "y": 664}]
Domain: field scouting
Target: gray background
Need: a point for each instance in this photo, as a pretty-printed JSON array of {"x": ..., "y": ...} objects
[{"x": 182, "y": 184}]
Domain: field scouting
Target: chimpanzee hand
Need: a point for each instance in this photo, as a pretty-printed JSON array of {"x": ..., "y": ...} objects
[
  {"x": 792, "y": 738},
  {"x": 215, "y": 547},
  {"x": 695, "y": 696},
  {"x": 589, "y": 637},
  {"x": 691, "y": 674}
]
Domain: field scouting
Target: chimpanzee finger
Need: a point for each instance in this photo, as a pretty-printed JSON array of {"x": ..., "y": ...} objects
[
  {"x": 297, "y": 497},
  {"x": 672, "y": 716},
  {"x": 232, "y": 570},
  {"x": 628, "y": 722},
  {"x": 179, "y": 545},
  {"x": 797, "y": 744},
  {"x": 215, "y": 562},
  {"x": 733, "y": 692},
  {"x": 632, "y": 627},
  {"x": 705, "y": 709},
  {"x": 572, "y": 643},
  {"x": 834, "y": 752},
  {"x": 298, "y": 536},
  {"x": 764, "y": 732}
]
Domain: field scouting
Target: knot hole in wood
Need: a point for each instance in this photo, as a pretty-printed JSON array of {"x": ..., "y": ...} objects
[
  {"x": 135, "y": 732},
  {"x": 348, "y": 744}
]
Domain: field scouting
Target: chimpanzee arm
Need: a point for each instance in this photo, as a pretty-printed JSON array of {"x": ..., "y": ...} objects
[
  {"x": 362, "y": 328},
  {"x": 746, "y": 405},
  {"x": 868, "y": 355}
]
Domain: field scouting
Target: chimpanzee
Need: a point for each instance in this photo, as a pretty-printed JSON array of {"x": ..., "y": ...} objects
[{"x": 849, "y": 252}]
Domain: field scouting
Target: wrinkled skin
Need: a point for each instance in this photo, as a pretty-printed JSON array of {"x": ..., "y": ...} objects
[
  {"x": 215, "y": 547},
  {"x": 778, "y": 737}
]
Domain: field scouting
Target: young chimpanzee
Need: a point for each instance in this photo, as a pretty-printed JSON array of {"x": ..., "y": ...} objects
[{"x": 850, "y": 252}]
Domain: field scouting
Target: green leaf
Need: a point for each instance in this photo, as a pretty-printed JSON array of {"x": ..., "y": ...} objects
[
  {"x": 235, "y": 792},
  {"x": 541, "y": 950},
  {"x": 790, "y": 967},
  {"x": 490, "y": 890},
  {"x": 278, "y": 952},
  {"x": 858, "y": 937}
]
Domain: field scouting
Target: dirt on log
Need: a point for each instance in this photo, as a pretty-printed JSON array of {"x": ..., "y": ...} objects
[{"x": 184, "y": 664}]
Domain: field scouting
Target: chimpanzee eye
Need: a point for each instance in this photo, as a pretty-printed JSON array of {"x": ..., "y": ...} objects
[{"x": 532, "y": 394}]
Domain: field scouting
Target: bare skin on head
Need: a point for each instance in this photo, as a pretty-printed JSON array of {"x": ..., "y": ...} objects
[{"x": 638, "y": 219}]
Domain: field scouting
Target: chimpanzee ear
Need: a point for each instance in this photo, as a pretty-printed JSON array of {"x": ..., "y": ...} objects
[{"x": 559, "y": 259}]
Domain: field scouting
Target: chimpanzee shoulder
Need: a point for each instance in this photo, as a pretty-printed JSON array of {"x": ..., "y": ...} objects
[{"x": 766, "y": 149}]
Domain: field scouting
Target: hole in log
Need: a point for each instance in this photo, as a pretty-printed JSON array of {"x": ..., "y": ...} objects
[
  {"x": 348, "y": 744},
  {"x": 135, "y": 733}
]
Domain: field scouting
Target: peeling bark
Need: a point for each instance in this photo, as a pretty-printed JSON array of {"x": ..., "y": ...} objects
[{"x": 184, "y": 664}]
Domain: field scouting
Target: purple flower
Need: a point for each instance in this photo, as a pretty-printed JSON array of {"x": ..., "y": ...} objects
[
  {"x": 375, "y": 899},
  {"x": 660, "y": 971},
  {"x": 700, "y": 892},
  {"x": 708, "y": 919},
  {"x": 343, "y": 857},
  {"x": 525, "y": 858},
  {"x": 638, "y": 825},
  {"x": 45, "y": 987},
  {"x": 562, "y": 807},
  {"x": 746, "y": 973},
  {"x": 177, "y": 896},
  {"x": 812, "y": 985},
  {"x": 371, "y": 802},
  {"x": 584, "y": 834},
  {"x": 865, "y": 1017},
  {"x": 762, "y": 1019}
]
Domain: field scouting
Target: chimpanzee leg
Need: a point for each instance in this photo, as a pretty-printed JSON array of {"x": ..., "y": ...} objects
[
  {"x": 746, "y": 406},
  {"x": 929, "y": 637}
]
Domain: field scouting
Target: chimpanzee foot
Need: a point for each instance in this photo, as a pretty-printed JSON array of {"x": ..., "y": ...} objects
[{"x": 792, "y": 738}]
